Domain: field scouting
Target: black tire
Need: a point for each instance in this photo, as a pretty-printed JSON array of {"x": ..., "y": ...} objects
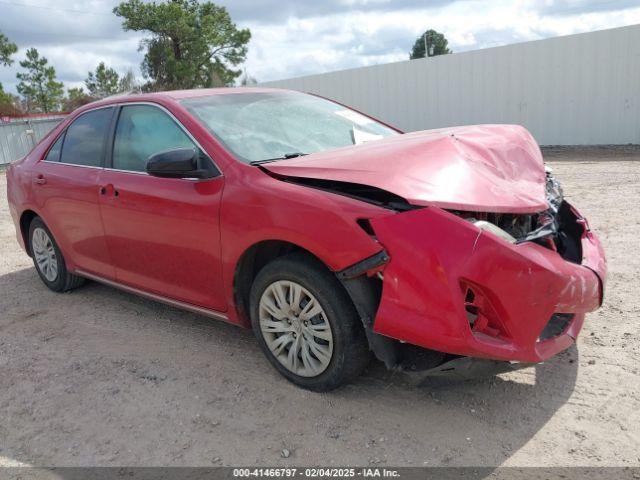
[
  {"x": 64, "y": 281},
  {"x": 350, "y": 348}
]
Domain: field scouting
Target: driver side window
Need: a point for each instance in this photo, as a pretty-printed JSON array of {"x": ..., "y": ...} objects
[{"x": 142, "y": 131}]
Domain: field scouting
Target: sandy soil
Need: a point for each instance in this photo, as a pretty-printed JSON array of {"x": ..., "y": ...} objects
[{"x": 100, "y": 377}]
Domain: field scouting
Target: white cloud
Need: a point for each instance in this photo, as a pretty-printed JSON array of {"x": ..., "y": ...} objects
[
  {"x": 299, "y": 37},
  {"x": 357, "y": 38},
  {"x": 73, "y": 36}
]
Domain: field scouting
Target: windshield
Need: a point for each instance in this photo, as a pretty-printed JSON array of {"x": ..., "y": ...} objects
[{"x": 273, "y": 125}]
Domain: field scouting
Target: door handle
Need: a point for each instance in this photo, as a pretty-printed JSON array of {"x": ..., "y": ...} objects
[{"x": 40, "y": 180}]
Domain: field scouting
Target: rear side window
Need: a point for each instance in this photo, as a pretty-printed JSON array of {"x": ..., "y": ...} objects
[
  {"x": 142, "y": 131},
  {"x": 85, "y": 138},
  {"x": 54, "y": 152}
]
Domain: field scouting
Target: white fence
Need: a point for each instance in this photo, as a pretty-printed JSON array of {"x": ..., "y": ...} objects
[
  {"x": 576, "y": 90},
  {"x": 18, "y": 138}
]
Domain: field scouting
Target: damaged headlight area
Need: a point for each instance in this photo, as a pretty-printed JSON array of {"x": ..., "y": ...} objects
[
  {"x": 493, "y": 228},
  {"x": 557, "y": 228},
  {"x": 513, "y": 228},
  {"x": 547, "y": 223},
  {"x": 555, "y": 195}
]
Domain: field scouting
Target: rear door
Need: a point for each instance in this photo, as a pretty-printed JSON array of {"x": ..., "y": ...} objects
[
  {"x": 163, "y": 233},
  {"x": 65, "y": 189}
]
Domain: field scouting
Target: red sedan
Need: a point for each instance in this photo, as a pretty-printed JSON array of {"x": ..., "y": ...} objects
[{"x": 330, "y": 233}]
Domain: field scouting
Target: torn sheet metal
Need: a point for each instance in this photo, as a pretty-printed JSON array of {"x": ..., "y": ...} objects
[{"x": 467, "y": 368}]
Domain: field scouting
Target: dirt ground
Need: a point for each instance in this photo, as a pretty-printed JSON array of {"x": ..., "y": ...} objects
[{"x": 101, "y": 377}]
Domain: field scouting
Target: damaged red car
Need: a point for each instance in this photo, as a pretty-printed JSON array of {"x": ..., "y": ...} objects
[{"x": 333, "y": 235}]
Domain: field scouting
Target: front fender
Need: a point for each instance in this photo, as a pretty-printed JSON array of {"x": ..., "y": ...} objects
[{"x": 259, "y": 208}]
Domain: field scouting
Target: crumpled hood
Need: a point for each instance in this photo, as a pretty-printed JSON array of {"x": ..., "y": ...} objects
[{"x": 489, "y": 168}]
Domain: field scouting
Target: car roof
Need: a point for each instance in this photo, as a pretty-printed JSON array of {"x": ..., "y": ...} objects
[
  {"x": 174, "y": 95},
  {"x": 206, "y": 92},
  {"x": 182, "y": 94}
]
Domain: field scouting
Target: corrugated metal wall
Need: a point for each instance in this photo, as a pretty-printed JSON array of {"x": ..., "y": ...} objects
[
  {"x": 16, "y": 140},
  {"x": 576, "y": 90}
]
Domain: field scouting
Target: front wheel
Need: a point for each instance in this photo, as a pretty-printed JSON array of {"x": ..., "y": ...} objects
[
  {"x": 48, "y": 259},
  {"x": 306, "y": 324}
]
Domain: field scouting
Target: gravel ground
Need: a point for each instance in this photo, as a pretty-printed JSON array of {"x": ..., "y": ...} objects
[{"x": 101, "y": 377}]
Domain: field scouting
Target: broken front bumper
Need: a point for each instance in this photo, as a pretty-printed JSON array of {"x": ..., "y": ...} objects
[{"x": 453, "y": 288}]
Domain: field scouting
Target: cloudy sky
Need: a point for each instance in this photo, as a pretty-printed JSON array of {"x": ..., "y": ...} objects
[{"x": 300, "y": 37}]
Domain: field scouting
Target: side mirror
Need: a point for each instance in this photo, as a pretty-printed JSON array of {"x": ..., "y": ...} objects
[{"x": 177, "y": 163}]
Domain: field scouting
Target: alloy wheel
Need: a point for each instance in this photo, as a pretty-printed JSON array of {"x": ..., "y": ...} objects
[
  {"x": 44, "y": 254},
  {"x": 295, "y": 328}
]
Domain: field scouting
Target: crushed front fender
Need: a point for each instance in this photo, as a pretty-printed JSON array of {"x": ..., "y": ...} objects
[{"x": 454, "y": 288}]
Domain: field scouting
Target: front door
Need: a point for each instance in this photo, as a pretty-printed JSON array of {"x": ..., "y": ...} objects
[{"x": 163, "y": 234}]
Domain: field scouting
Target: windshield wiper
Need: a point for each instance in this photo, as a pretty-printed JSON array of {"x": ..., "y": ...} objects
[{"x": 286, "y": 156}]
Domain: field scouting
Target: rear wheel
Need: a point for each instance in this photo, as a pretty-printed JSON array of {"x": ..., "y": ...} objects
[
  {"x": 306, "y": 324},
  {"x": 48, "y": 259}
]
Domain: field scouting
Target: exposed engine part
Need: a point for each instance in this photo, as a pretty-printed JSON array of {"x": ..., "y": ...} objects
[
  {"x": 513, "y": 227},
  {"x": 490, "y": 227},
  {"x": 555, "y": 227}
]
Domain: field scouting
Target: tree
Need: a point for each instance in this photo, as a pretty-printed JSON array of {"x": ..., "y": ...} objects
[
  {"x": 38, "y": 84},
  {"x": 191, "y": 45},
  {"x": 247, "y": 80},
  {"x": 9, "y": 104},
  {"x": 436, "y": 44},
  {"x": 128, "y": 83},
  {"x": 103, "y": 82},
  {"x": 76, "y": 97},
  {"x": 7, "y": 49}
]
